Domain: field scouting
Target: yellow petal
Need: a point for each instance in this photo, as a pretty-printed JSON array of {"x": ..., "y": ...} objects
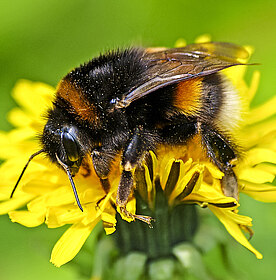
[
  {"x": 90, "y": 195},
  {"x": 262, "y": 112},
  {"x": 15, "y": 203},
  {"x": 269, "y": 143},
  {"x": 255, "y": 175},
  {"x": 96, "y": 209},
  {"x": 4, "y": 196},
  {"x": 53, "y": 218},
  {"x": 109, "y": 230},
  {"x": 61, "y": 196},
  {"x": 208, "y": 198},
  {"x": 109, "y": 220},
  {"x": 40, "y": 94},
  {"x": 16, "y": 136},
  {"x": 253, "y": 86},
  {"x": 17, "y": 146},
  {"x": 149, "y": 191},
  {"x": 235, "y": 75},
  {"x": 250, "y": 49},
  {"x": 70, "y": 243},
  {"x": 131, "y": 208},
  {"x": 39, "y": 186},
  {"x": 184, "y": 167},
  {"x": 19, "y": 118},
  {"x": 208, "y": 194},
  {"x": 27, "y": 218},
  {"x": 261, "y": 192},
  {"x": 256, "y": 134},
  {"x": 238, "y": 219},
  {"x": 215, "y": 172},
  {"x": 204, "y": 38},
  {"x": 234, "y": 229},
  {"x": 182, "y": 183},
  {"x": 166, "y": 172},
  {"x": 59, "y": 216},
  {"x": 38, "y": 204},
  {"x": 180, "y": 43},
  {"x": 267, "y": 167},
  {"x": 259, "y": 155},
  {"x": 154, "y": 163},
  {"x": 148, "y": 180}
]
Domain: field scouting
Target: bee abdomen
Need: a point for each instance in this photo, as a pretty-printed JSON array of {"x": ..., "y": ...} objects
[
  {"x": 187, "y": 97},
  {"x": 220, "y": 103}
]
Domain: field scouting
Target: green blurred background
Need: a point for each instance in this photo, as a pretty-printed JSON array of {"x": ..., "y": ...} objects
[{"x": 42, "y": 40}]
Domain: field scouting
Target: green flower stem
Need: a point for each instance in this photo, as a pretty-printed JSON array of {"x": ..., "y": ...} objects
[{"x": 173, "y": 225}]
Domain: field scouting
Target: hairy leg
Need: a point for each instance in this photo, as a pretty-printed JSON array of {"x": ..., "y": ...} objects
[{"x": 141, "y": 142}]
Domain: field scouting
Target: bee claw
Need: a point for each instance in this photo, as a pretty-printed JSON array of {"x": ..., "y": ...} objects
[
  {"x": 146, "y": 219},
  {"x": 97, "y": 207}
]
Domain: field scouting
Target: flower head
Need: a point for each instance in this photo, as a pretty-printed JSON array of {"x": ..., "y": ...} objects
[{"x": 183, "y": 175}]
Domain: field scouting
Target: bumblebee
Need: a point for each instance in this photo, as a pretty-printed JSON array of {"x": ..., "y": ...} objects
[{"x": 130, "y": 101}]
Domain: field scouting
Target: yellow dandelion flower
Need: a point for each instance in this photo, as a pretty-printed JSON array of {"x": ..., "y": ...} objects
[
  {"x": 44, "y": 187},
  {"x": 167, "y": 181}
]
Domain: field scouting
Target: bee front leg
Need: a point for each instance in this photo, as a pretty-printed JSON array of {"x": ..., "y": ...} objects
[
  {"x": 141, "y": 142},
  {"x": 102, "y": 159}
]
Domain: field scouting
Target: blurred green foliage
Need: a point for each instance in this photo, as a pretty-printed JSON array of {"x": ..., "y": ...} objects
[{"x": 42, "y": 40}]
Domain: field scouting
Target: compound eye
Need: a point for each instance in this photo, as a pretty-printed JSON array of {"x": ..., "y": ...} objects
[{"x": 71, "y": 146}]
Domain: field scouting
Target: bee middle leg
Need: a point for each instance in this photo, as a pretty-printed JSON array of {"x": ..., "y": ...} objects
[
  {"x": 140, "y": 142},
  {"x": 124, "y": 190}
]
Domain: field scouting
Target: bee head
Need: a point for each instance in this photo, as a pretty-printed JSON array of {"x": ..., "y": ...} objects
[
  {"x": 62, "y": 144},
  {"x": 65, "y": 141}
]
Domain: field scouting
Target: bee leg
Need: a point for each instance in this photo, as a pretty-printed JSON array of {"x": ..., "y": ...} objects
[
  {"x": 140, "y": 142},
  {"x": 101, "y": 161},
  {"x": 223, "y": 155},
  {"x": 106, "y": 187},
  {"x": 124, "y": 191},
  {"x": 230, "y": 184},
  {"x": 125, "y": 188}
]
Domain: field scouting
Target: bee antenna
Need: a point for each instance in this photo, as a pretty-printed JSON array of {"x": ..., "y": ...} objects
[
  {"x": 24, "y": 169},
  {"x": 67, "y": 170}
]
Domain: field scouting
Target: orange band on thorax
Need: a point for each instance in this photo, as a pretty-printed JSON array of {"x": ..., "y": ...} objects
[{"x": 78, "y": 103}]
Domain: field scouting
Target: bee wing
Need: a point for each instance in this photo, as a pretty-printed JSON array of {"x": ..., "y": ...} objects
[
  {"x": 221, "y": 50},
  {"x": 170, "y": 66}
]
